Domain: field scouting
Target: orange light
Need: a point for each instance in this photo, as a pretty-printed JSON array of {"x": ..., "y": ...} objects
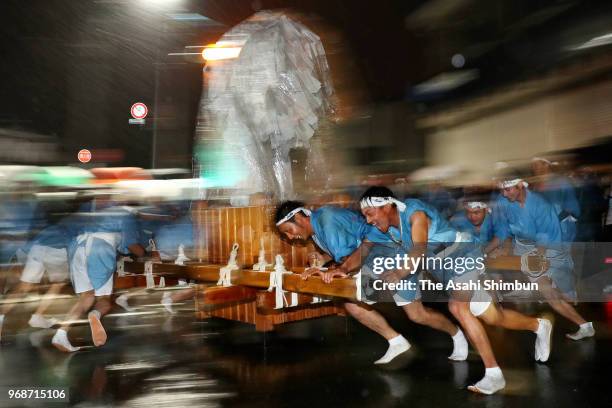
[{"x": 216, "y": 52}]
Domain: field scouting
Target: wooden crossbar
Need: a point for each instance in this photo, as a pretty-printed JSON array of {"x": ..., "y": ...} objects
[{"x": 343, "y": 288}]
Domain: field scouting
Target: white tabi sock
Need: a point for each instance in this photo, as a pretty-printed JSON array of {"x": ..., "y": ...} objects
[
  {"x": 166, "y": 301},
  {"x": 397, "y": 346},
  {"x": 61, "y": 342},
  {"x": 460, "y": 347},
  {"x": 585, "y": 330},
  {"x": 41, "y": 322},
  {"x": 123, "y": 302},
  {"x": 542, "y": 343},
  {"x": 492, "y": 382}
]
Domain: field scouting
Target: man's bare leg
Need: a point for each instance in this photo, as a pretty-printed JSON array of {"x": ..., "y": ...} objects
[
  {"x": 557, "y": 301},
  {"x": 429, "y": 317},
  {"x": 84, "y": 303},
  {"x": 493, "y": 380},
  {"x": 508, "y": 319},
  {"x": 377, "y": 323},
  {"x": 371, "y": 319},
  {"x": 513, "y": 320},
  {"x": 54, "y": 289},
  {"x": 37, "y": 319},
  {"x": 123, "y": 299},
  {"x": 22, "y": 287},
  {"x": 168, "y": 299}
]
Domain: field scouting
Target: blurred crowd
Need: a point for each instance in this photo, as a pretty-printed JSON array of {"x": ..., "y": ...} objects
[
  {"x": 36, "y": 201},
  {"x": 48, "y": 215},
  {"x": 583, "y": 192},
  {"x": 56, "y": 229}
]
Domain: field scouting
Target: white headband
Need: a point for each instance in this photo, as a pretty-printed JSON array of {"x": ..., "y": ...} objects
[
  {"x": 542, "y": 159},
  {"x": 545, "y": 160},
  {"x": 292, "y": 213},
  {"x": 512, "y": 183},
  {"x": 476, "y": 205},
  {"x": 381, "y": 201}
]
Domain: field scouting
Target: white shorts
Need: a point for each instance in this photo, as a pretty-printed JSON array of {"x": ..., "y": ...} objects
[
  {"x": 80, "y": 278},
  {"x": 43, "y": 258},
  {"x": 480, "y": 302},
  {"x": 399, "y": 300}
]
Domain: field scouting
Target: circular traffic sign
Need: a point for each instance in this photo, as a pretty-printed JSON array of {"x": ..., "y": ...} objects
[
  {"x": 84, "y": 155},
  {"x": 139, "y": 110}
]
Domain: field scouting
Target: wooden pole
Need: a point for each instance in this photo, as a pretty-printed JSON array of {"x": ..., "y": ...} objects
[{"x": 343, "y": 288}]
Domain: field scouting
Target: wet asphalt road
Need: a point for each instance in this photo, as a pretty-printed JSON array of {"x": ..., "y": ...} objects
[{"x": 154, "y": 360}]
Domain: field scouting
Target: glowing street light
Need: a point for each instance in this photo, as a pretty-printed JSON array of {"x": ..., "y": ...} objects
[{"x": 220, "y": 51}]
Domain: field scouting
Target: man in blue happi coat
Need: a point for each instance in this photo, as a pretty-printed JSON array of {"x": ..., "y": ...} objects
[
  {"x": 339, "y": 234},
  {"x": 92, "y": 253},
  {"x": 534, "y": 226}
]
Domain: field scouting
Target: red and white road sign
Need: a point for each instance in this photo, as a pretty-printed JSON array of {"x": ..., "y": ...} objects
[
  {"x": 139, "y": 110},
  {"x": 84, "y": 156}
]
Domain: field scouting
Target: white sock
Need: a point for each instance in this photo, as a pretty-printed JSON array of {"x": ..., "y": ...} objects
[
  {"x": 397, "y": 346},
  {"x": 397, "y": 340},
  {"x": 492, "y": 382},
  {"x": 585, "y": 330},
  {"x": 60, "y": 340},
  {"x": 123, "y": 302},
  {"x": 1, "y": 319},
  {"x": 494, "y": 371},
  {"x": 543, "y": 340},
  {"x": 166, "y": 301},
  {"x": 460, "y": 347},
  {"x": 41, "y": 322}
]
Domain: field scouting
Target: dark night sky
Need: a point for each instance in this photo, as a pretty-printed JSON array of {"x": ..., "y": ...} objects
[{"x": 73, "y": 68}]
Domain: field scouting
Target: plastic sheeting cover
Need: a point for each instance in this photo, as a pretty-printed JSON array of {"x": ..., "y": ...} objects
[{"x": 265, "y": 102}]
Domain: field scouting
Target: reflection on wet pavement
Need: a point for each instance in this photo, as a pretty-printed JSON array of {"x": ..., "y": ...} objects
[{"x": 153, "y": 360}]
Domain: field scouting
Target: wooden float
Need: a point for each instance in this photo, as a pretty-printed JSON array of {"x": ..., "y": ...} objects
[
  {"x": 246, "y": 302},
  {"x": 342, "y": 288},
  {"x": 256, "y": 307},
  {"x": 217, "y": 229}
]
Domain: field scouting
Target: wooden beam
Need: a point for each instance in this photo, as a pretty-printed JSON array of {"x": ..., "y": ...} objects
[
  {"x": 295, "y": 314},
  {"x": 513, "y": 263},
  {"x": 217, "y": 295},
  {"x": 203, "y": 273},
  {"x": 129, "y": 281},
  {"x": 339, "y": 287},
  {"x": 344, "y": 288},
  {"x": 506, "y": 262},
  {"x": 267, "y": 300},
  {"x": 164, "y": 268}
]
